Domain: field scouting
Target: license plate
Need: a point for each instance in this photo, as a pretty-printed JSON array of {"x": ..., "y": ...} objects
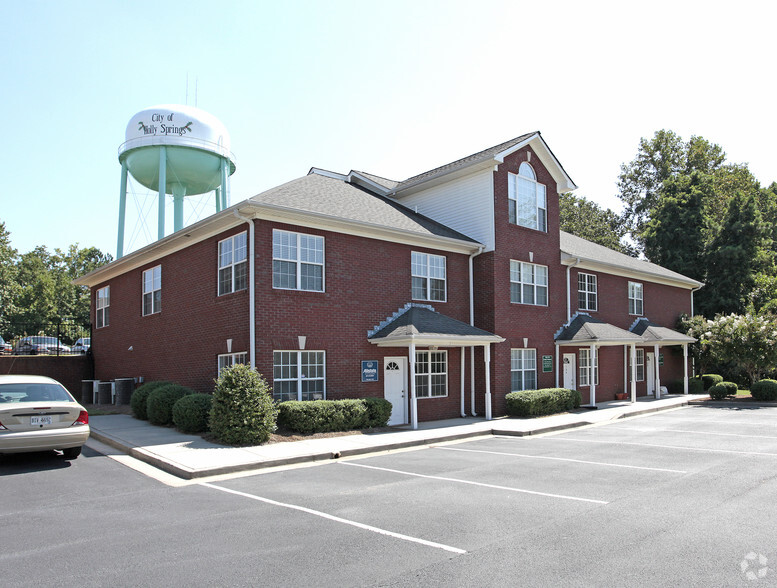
[{"x": 40, "y": 420}]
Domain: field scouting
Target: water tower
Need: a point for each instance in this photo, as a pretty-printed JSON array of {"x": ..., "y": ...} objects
[{"x": 178, "y": 150}]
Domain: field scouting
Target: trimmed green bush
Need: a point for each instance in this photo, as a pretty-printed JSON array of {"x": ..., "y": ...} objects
[
  {"x": 695, "y": 386},
  {"x": 191, "y": 413},
  {"x": 542, "y": 402},
  {"x": 159, "y": 405},
  {"x": 711, "y": 380},
  {"x": 323, "y": 416},
  {"x": 243, "y": 411},
  {"x": 764, "y": 390},
  {"x": 718, "y": 392},
  {"x": 731, "y": 388},
  {"x": 140, "y": 397},
  {"x": 378, "y": 411}
]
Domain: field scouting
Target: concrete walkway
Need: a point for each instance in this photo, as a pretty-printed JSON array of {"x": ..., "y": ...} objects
[{"x": 190, "y": 456}]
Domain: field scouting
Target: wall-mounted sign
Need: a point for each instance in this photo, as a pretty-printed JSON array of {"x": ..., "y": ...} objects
[
  {"x": 660, "y": 359},
  {"x": 547, "y": 363},
  {"x": 370, "y": 371}
]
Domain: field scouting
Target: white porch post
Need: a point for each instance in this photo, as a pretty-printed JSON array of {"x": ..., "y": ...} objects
[
  {"x": 487, "y": 357},
  {"x": 685, "y": 368},
  {"x": 658, "y": 372},
  {"x": 413, "y": 399},
  {"x": 558, "y": 365},
  {"x": 463, "y": 350},
  {"x": 633, "y": 372},
  {"x": 472, "y": 381},
  {"x": 591, "y": 373}
]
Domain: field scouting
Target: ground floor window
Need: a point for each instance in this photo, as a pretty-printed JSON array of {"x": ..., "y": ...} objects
[
  {"x": 431, "y": 374},
  {"x": 585, "y": 364},
  {"x": 229, "y": 359},
  {"x": 640, "y": 365},
  {"x": 299, "y": 375},
  {"x": 523, "y": 369}
]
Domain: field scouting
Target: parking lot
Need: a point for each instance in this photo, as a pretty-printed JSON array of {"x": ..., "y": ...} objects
[{"x": 684, "y": 497}]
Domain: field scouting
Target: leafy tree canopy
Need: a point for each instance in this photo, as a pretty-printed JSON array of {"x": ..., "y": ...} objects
[{"x": 586, "y": 219}]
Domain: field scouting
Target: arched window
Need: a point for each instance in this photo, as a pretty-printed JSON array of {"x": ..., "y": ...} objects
[{"x": 527, "y": 199}]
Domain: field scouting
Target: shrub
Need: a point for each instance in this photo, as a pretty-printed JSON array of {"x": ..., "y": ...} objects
[
  {"x": 243, "y": 411},
  {"x": 159, "y": 405},
  {"x": 764, "y": 390},
  {"x": 711, "y": 380},
  {"x": 378, "y": 411},
  {"x": 718, "y": 392},
  {"x": 140, "y": 397},
  {"x": 731, "y": 388},
  {"x": 190, "y": 413},
  {"x": 541, "y": 402},
  {"x": 323, "y": 416},
  {"x": 695, "y": 386}
]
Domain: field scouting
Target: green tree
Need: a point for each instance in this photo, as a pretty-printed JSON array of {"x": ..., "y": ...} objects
[
  {"x": 36, "y": 303},
  {"x": 9, "y": 284},
  {"x": 586, "y": 219},
  {"x": 747, "y": 341}
]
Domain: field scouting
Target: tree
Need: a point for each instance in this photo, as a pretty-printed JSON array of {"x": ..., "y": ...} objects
[
  {"x": 588, "y": 220},
  {"x": 35, "y": 304},
  {"x": 748, "y": 342},
  {"x": 9, "y": 285}
]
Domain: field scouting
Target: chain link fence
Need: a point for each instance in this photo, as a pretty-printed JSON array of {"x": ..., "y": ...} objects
[{"x": 65, "y": 337}]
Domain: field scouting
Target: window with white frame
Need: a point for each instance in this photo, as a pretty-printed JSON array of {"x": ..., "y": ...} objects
[
  {"x": 152, "y": 290},
  {"x": 229, "y": 359},
  {"x": 299, "y": 375},
  {"x": 586, "y": 292},
  {"x": 585, "y": 364},
  {"x": 233, "y": 264},
  {"x": 431, "y": 374},
  {"x": 523, "y": 369},
  {"x": 428, "y": 276},
  {"x": 635, "y": 298},
  {"x": 298, "y": 261},
  {"x": 102, "y": 307},
  {"x": 528, "y": 205},
  {"x": 640, "y": 365},
  {"x": 528, "y": 283}
]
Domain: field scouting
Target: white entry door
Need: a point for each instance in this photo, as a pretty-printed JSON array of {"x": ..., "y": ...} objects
[
  {"x": 650, "y": 368},
  {"x": 395, "y": 388},
  {"x": 570, "y": 371}
]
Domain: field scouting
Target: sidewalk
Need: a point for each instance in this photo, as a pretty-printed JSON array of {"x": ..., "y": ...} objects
[{"x": 190, "y": 456}]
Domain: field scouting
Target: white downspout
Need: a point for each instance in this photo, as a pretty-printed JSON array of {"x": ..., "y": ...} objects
[
  {"x": 472, "y": 323},
  {"x": 251, "y": 290},
  {"x": 569, "y": 288}
]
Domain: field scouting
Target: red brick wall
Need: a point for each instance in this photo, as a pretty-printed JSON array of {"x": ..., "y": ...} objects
[{"x": 68, "y": 370}]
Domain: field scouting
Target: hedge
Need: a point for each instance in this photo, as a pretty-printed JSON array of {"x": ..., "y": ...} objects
[
  {"x": 324, "y": 416},
  {"x": 764, "y": 390},
  {"x": 159, "y": 405},
  {"x": 191, "y": 413},
  {"x": 711, "y": 380},
  {"x": 720, "y": 391},
  {"x": 139, "y": 398},
  {"x": 542, "y": 402}
]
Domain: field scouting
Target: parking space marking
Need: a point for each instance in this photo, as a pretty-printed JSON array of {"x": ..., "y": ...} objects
[
  {"x": 338, "y": 519},
  {"x": 664, "y": 446},
  {"x": 663, "y": 430},
  {"x": 471, "y": 483},
  {"x": 583, "y": 461}
]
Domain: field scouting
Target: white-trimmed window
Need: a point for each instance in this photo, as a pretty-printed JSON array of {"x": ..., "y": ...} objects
[
  {"x": 102, "y": 307},
  {"x": 230, "y": 359},
  {"x": 635, "y": 298},
  {"x": 528, "y": 283},
  {"x": 528, "y": 204},
  {"x": 297, "y": 261},
  {"x": 299, "y": 375},
  {"x": 233, "y": 264},
  {"x": 428, "y": 281},
  {"x": 523, "y": 369},
  {"x": 152, "y": 290},
  {"x": 640, "y": 365},
  {"x": 585, "y": 363},
  {"x": 586, "y": 292},
  {"x": 431, "y": 374}
]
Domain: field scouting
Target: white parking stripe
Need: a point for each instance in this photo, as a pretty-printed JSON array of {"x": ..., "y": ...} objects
[
  {"x": 684, "y": 447},
  {"x": 663, "y": 430},
  {"x": 339, "y": 520},
  {"x": 599, "y": 463},
  {"x": 457, "y": 480}
]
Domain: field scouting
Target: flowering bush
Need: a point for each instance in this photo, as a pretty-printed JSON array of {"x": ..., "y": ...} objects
[{"x": 747, "y": 341}]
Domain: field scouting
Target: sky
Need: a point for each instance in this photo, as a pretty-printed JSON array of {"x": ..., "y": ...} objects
[{"x": 391, "y": 88}]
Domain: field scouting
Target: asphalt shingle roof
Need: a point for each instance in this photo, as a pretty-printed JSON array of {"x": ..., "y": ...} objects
[
  {"x": 586, "y": 329},
  {"x": 652, "y": 333},
  {"x": 420, "y": 321}
]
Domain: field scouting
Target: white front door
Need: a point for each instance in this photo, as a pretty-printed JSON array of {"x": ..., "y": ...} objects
[
  {"x": 650, "y": 376},
  {"x": 570, "y": 372},
  {"x": 395, "y": 388}
]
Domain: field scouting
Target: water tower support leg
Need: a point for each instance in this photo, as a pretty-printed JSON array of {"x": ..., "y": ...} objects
[
  {"x": 122, "y": 210},
  {"x": 218, "y": 200},
  {"x": 162, "y": 192},
  {"x": 178, "y": 194},
  {"x": 224, "y": 176}
]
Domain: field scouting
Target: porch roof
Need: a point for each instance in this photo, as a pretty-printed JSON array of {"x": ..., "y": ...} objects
[
  {"x": 656, "y": 334},
  {"x": 584, "y": 329}
]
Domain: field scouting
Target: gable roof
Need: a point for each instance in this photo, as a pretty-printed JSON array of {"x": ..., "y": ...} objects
[
  {"x": 583, "y": 329},
  {"x": 587, "y": 255},
  {"x": 653, "y": 333}
]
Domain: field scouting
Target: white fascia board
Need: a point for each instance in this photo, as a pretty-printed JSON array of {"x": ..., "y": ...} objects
[
  {"x": 327, "y": 174},
  {"x": 617, "y": 270},
  {"x": 360, "y": 180},
  {"x": 563, "y": 182},
  {"x": 443, "y": 177},
  {"x": 436, "y": 340}
]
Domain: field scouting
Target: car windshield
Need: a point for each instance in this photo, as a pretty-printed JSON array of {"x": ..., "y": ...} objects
[{"x": 38, "y": 392}]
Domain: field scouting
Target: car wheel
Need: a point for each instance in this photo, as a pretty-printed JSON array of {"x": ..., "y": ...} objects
[{"x": 71, "y": 452}]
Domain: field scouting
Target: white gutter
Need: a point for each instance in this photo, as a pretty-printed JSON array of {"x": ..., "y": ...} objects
[
  {"x": 569, "y": 286},
  {"x": 251, "y": 289},
  {"x": 692, "y": 291},
  {"x": 471, "y": 349}
]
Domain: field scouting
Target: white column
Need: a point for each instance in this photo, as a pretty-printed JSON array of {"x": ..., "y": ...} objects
[
  {"x": 462, "y": 350},
  {"x": 558, "y": 365},
  {"x": 413, "y": 399},
  {"x": 591, "y": 373},
  {"x": 472, "y": 381},
  {"x": 658, "y": 372},
  {"x": 685, "y": 368},
  {"x": 633, "y": 372},
  {"x": 487, "y": 357}
]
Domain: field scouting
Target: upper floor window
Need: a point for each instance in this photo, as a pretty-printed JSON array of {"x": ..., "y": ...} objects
[
  {"x": 298, "y": 261},
  {"x": 233, "y": 264},
  {"x": 523, "y": 369},
  {"x": 527, "y": 199},
  {"x": 528, "y": 283},
  {"x": 431, "y": 374},
  {"x": 102, "y": 306},
  {"x": 635, "y": 298},
  {"x": 298, "y": 375},
  {"x": 152, "y": 290},
  {"x": 586, "y": 292},
  {"x": 428, "y": 271}
]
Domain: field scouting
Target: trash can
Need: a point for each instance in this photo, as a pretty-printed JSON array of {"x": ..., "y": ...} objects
[
  {"x": 87, "y": 391},
  {"x": 104, "y": 393},
  {"x": 124, "y": 389}
]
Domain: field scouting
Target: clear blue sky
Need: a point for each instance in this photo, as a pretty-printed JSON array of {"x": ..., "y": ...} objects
[{"x": 392, "y": 88}]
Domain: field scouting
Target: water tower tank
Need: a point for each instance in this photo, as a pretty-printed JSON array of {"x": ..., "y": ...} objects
[{"x": 178, "y": 150}]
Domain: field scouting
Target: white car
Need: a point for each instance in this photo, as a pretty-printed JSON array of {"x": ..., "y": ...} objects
[
  {"x": 82, "y": 345},
  {"x": 39, "y": 414}
]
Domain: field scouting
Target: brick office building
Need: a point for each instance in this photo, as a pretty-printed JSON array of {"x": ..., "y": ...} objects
[{"x": 442, "y": 293}]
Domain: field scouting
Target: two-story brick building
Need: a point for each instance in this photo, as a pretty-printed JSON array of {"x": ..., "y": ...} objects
[{"x": 442, "y": 293}]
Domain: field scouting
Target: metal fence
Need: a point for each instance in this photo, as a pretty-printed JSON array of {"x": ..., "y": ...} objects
[{"x": 61, "y": 338}]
